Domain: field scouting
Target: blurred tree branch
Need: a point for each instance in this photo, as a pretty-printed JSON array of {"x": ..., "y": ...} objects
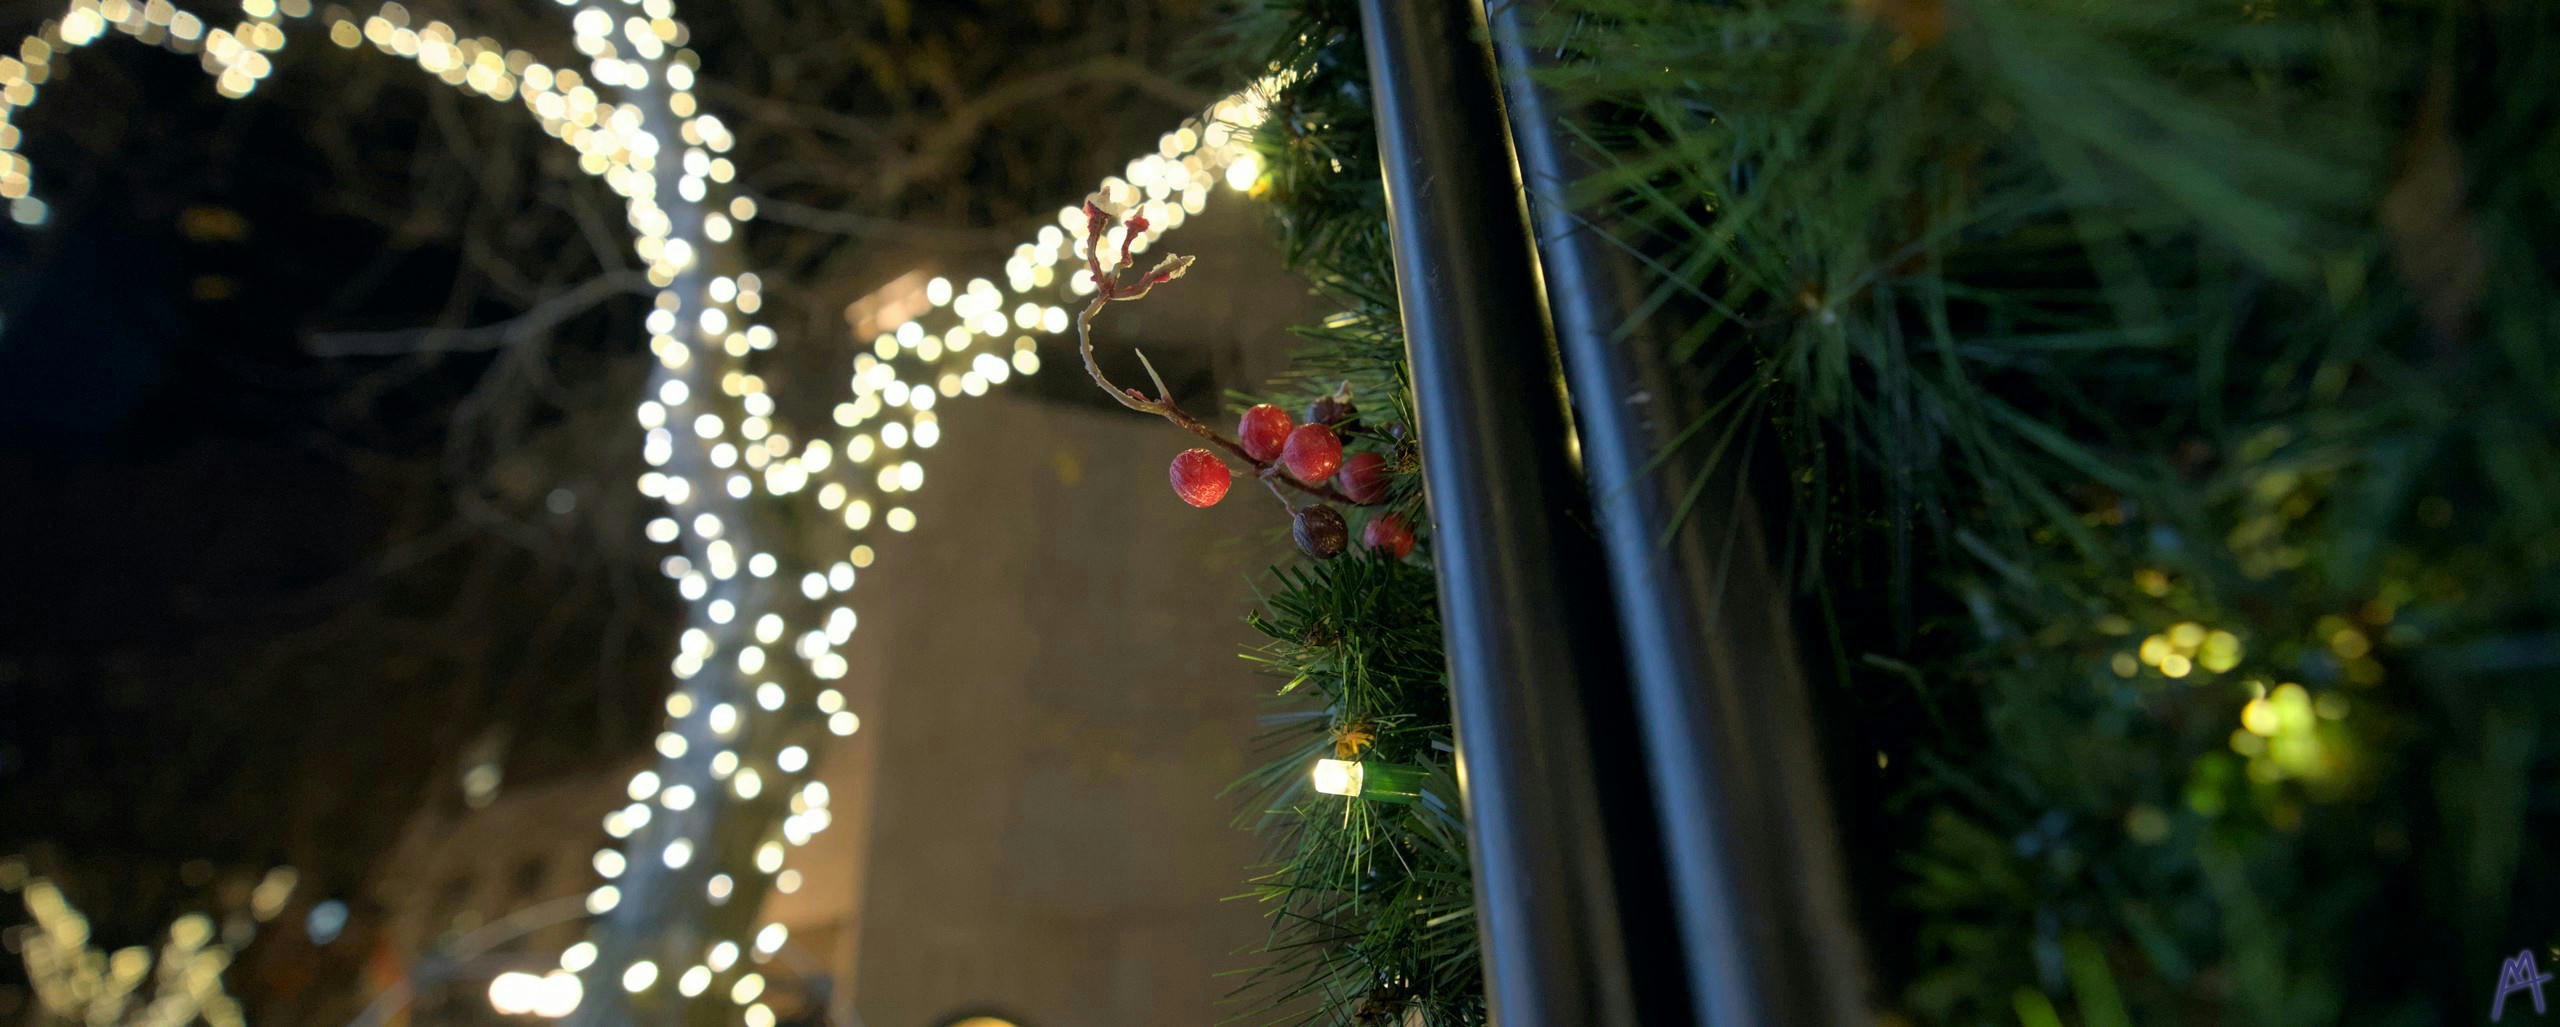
[{"x": 534, "y": 323}]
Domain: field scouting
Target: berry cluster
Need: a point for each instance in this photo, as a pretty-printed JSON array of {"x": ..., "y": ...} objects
[
  {"x": 1308, "y": 457},
  {"x": 1311, "y": 454}
]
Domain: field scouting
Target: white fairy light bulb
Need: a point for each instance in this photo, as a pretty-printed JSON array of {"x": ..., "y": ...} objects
[
  {"x": 1336, "y": 777},
  {"x": 513, "y": 993}
]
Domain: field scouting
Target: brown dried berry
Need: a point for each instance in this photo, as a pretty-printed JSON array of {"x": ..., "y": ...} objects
[
  {"x": 1320, "y": 532},
  {"x": 1333, "y": 409}
]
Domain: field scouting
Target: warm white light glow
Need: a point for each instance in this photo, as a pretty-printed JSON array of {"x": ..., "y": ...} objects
[
  {"x": 1243, "y": 171},
  {"x": 1337, "y": 777},
  {"x": 513, "y": 993},
  {"x": 559, "y": 996}
]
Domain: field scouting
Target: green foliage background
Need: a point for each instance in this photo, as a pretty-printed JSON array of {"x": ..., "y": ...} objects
[{"x": 2172, "y": 394}]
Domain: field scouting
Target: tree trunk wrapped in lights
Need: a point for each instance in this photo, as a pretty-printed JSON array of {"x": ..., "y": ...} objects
[{"x": 709, "y": 830}]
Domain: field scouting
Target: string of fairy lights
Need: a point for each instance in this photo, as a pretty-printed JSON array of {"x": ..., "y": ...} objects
[
  {"x": 179, "y": 984},
  {"x": 743, "y": 721}
]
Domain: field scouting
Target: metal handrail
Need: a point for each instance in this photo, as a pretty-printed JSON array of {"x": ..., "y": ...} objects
[
  {"x": 1651, "y": 835},
  {"x": 1568, "y": 887},
  {"x": 1766, "y": 930}
]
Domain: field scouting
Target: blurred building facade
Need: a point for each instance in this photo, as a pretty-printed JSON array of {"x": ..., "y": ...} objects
[{"x": 1028, "y": 826}]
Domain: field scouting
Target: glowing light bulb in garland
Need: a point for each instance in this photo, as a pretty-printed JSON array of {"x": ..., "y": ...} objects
[{"x": 1368, "y": 779}]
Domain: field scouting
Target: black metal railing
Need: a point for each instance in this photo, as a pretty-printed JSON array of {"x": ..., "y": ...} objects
[{"x": 1651, "y": 836}]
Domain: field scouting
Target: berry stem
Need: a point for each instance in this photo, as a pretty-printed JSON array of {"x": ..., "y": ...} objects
[
  {"x": 1109, "y": 286},
  {"x": 1266, "y": 475}
]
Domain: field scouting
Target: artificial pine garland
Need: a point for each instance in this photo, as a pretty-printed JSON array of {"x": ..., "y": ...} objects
[
  {"x": 2172, "y": 395},
  {"x": 2183, "y": 374}
]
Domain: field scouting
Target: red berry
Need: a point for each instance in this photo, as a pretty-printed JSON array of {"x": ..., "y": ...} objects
[
  {"x": 1200, "y": 478},
  {"x": 1312, "y": 454},
  {"x": 1388, "y": 533},
  {"x": 1263, "y": 431},
  {"x": 1364, "y": 477}
]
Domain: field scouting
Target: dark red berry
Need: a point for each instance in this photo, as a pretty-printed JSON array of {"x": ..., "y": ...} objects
[
  {"x": 1326, "y": 411},
  {"x": 1334, "y": 409},
  {"x": 1263, "y": 431},
  {"x": 1319, "y": 532},
  {"x": 1200, "y": 478},
  {"x": 1364, "y": 477},
  {"x": 1388, "y": 533},
  {"x": 1312, "y": 454}
]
